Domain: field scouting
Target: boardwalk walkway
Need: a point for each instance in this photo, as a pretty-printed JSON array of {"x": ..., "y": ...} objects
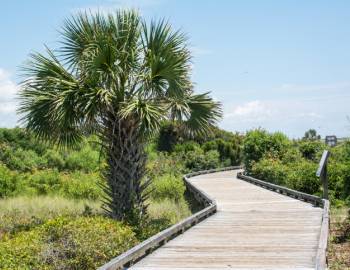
[{"x": 254, "y": 228}]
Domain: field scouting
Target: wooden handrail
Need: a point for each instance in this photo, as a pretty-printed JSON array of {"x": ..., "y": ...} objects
[
  {"x": 136, "y": 253},
  {"x": 317, "y": 201},
  {"x": 321, "y": 256}
]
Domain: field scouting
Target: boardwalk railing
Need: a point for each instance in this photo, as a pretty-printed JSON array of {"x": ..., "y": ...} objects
[
  {"x": 136, "y": 253},
  {"x": 321, "y": 256},
  {"x": 315, "y": 200}
]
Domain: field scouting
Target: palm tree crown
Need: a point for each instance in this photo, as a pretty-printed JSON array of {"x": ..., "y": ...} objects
[{"x": 119, "y": 77}]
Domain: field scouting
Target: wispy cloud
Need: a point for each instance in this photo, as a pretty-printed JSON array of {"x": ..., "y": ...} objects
[
  {"x": 290, "y": 116},
  {"x": 251, "y": 111},
  {"x": 8, "y": 104}
]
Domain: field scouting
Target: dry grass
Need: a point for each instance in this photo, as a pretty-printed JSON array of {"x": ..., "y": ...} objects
[
  {"x": 339, "y": 244},
  {"x": 169, "y": 209},
  {"x": 24, "y": 213}
]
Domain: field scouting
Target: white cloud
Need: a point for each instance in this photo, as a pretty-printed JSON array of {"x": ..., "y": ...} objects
[
  {"x": 250, "y": 111},
  {"x": 287, "y": 115},
  {"x": 8, "y": 103}
]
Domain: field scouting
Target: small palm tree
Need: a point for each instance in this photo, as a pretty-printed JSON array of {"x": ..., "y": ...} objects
[{"x": 119, "y": 78}]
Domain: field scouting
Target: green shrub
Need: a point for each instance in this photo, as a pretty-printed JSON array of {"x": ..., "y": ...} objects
[
  {"x": 21, "y": 252},
  {"x": 80, "y": 185},
  {"x": 20, "y": 159},
  {"x": 271, "y": 170},
  {"x": 339, "y": 179},
  {"x": 169, "y": 187},
  {"x": 75, "y": 185},
  {"x": 258, "y": 143},
  {"x": 8, "y": 182},
  {"x": 228, "y": 150},
  {"x": 189, "y": 146},
  {"x": 54, "y": 159},
  {"x": 86, "y": 159},
  {"x": 162, "y": 163},
  {"x": 310, "y": 149},
  {"x": 198, "y": 160},
  {"x": 63, "y": 243},
  {"x": 291, "y": 155},
  {"x": 21, "y": 138},
  {"x": 42, "y": 182},
  {"x": 302, "y": 177}
]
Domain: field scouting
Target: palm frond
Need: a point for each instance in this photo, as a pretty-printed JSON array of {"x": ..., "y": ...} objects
[
  {"x": 166, "y": 59},
  {"x": 205, "y": 113},
  {"x": 48, "y": 100},
  {"x": 148, "y": 114},
  {"x": 103, "y": 49}
]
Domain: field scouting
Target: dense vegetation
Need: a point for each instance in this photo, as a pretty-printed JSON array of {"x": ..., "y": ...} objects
[
  {"x": 50, "y": 198},
  {"x": 275, "y": 158}
]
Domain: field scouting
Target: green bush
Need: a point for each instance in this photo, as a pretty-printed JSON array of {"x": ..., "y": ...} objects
[
  {"x": 55, "y": 160},
  {"x": 271, "y": 170},
  {"x": 86, "y": 159},
  {"x": 80, "y": 185},
  {"x": 258, "y": 143},
  {"x": 291, "y": 155},
  {"x": 20, "y": 138},
  {"x": 63, "y": 243},
  {"x": 169, "y": 187},
  {"x": 228, "y": 150},
  {"x": 198, "y": 160},
  {"x": 8, "y": 182},
  {"x": 302, "y": 177},
  {"x": 161, "y": 163},
  {"x": 75, "y": 185},
  {"x": 189, "y": 146},
  {"x": 310, "y": 149},
  {"x": 41, "y": 183},
  {"x": 339, "y": 179},
  {"x": 20, "y": 159}
]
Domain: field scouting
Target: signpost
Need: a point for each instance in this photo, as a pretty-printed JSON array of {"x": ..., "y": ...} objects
[
  {"x": 331, "y": 140},
  {"x": 322, "y": 172}
]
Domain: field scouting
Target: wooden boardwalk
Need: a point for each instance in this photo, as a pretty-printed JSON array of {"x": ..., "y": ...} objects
[{"x": 254, "y": 228}]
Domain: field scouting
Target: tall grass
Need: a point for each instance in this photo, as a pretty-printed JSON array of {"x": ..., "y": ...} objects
[
  {"x": 169, "y": 210},
  {"x": 23, "y": 213}
]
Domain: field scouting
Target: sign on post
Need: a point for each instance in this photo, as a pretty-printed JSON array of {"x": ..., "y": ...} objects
[{"x": 331, "y": 140}]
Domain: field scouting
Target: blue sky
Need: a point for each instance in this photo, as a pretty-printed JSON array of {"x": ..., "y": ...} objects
[{"x": 280, "y": 65}]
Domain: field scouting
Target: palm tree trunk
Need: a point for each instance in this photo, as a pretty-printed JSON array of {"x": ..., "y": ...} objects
[{"x": 124, "y": 149}]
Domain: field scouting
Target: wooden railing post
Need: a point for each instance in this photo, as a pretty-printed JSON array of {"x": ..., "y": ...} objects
[
  {"x": 322, "y": 173},
  {"x": 324, "y": 178}
]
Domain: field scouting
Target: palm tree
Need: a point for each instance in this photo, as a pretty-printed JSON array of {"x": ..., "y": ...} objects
[{"x": 118, "y": 77}]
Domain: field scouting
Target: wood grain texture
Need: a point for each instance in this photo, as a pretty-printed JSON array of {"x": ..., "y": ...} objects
[{"x": 254, "y": 228}]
